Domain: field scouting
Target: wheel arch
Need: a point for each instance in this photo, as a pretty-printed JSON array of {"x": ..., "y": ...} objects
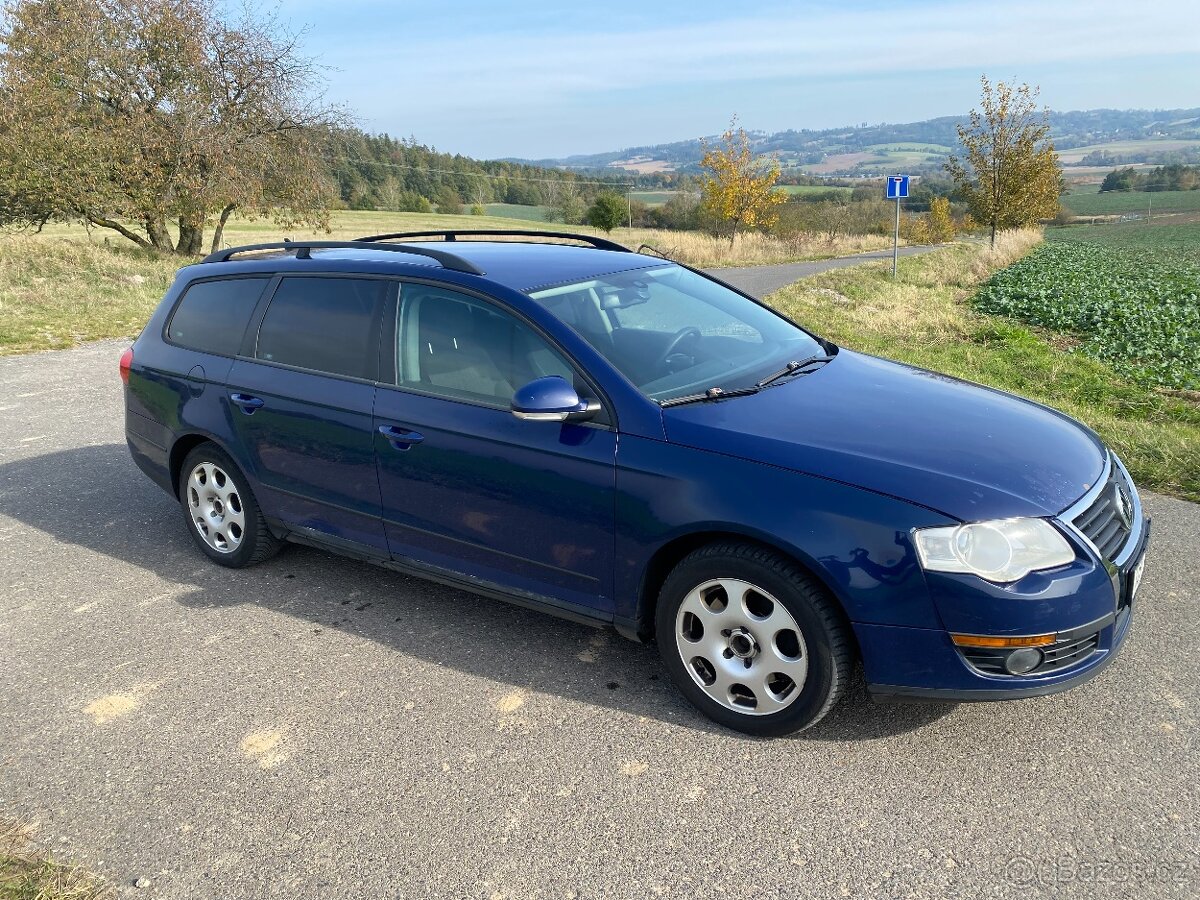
[
  {"x": 671, "y": 553},
  {"x": 185, "y": 444}
]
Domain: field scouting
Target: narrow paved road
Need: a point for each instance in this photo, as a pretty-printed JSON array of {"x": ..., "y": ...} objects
[
  {"x": 758, "y": 281},
  {"x": 315, "y": 727}
]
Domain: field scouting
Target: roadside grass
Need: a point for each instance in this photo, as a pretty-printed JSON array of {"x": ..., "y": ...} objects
[
  {"x": 27, "y": 874},
  {"x": 65, "y": 285},
  {"x": 58, "y": 293},
  {"x": 925, "y": 318},
  {"x": 751, "y": 249}
]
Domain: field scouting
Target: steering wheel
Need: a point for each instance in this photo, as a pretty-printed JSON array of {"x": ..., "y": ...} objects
[{"x": 691, "y": 332}]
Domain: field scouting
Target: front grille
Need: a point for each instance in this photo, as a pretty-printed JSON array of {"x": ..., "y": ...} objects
[
  {"x": 1108, "y": 522},
  {"x": 1063, "y": 654},
  {"x": 1060, "y": 655}
]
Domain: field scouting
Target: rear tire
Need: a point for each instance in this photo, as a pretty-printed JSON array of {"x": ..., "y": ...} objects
[
  {"x": 752, "y": 639},
  {"x": 221, "y": 511}
]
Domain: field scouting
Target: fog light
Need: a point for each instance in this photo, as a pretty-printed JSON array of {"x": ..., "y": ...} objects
[{"x": 1024, "y": 660}]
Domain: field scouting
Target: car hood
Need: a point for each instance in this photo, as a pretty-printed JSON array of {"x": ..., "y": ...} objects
[{"x": 965, "y": 450}]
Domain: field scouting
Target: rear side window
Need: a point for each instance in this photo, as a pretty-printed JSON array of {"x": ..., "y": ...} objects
[
  {"x": 326, "y": 324},
  {"x": 212, "y": 316}
]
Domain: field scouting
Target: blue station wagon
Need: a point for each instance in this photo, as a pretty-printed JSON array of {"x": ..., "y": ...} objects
[{"x": 625, "y": 441}]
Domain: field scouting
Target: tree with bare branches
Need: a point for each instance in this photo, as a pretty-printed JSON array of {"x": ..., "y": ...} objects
[{"x": 158, "y": 119}]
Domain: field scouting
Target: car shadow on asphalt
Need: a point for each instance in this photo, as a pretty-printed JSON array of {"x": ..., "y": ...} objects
[{"x": 94, "y": 497}]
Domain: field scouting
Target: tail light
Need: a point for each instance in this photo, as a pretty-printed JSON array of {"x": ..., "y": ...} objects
[{"x": 126, "y": 362}]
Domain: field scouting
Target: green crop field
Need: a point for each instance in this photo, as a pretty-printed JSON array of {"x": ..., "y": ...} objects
[
  {"x": 1113, "y": 203},
  {"x": 1130, "y": 295},
  {"x": 1171, "y": 242},
  {"x": 1075, "y": 154},
  {"x": 653, "y": 198}
]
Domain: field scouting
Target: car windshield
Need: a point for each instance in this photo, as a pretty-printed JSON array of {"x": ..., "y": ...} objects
[{"x": 673, "y": 332}]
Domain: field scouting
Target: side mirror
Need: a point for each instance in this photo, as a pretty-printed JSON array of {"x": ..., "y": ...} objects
[{"x": 551, "y": 399}]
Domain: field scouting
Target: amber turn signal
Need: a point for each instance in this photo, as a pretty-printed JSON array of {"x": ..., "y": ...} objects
[{"x": 989, "y": 640}]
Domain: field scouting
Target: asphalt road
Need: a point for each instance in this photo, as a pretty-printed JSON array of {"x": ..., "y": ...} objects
[
  {"x": 762, "y": 280},
  {"x": 316, "y": 727}
]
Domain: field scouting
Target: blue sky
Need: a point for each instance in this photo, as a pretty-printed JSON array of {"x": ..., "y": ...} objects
[{"x": 536, "y": 79}]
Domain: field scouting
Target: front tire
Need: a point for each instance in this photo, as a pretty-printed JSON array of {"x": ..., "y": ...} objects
[
  {"x": 752, "y": 640},
  {"x": 222, "y": 513}
]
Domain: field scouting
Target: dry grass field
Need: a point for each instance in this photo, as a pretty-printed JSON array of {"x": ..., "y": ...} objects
[{"x": 67, "y": 285}]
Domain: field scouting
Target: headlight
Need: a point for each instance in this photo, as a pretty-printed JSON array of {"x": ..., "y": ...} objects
[{"x": 1003, "y": 550}]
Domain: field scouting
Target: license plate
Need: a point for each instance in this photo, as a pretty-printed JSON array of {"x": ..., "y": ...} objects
[{"x": 1135, "y": 577}]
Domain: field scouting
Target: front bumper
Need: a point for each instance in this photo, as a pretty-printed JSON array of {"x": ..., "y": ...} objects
[
  {"x": 1093, "y": 606},
  {"x": 978, "y": 687}
]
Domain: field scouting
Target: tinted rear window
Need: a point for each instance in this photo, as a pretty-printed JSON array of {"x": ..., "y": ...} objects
[
  {"x": 327, "y": 324},
  {"x": 212, "y": 316}
]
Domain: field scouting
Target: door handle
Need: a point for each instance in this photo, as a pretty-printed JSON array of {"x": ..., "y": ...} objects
[
  {"x": 247, "y": 403},
  {"x": 400, "y": 438}
]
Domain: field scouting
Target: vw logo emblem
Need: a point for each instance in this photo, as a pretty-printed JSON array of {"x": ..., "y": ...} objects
[{"x": 1123, "y": 506}]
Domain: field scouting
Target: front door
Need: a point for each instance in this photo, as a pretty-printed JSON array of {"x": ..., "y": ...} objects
[{"x": 469, "y": 488}]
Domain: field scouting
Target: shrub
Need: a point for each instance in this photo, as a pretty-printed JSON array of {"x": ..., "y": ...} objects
[
  {"x": 607, "y": 211},
  {"x": 449, "y": 202},
  {"x": 411, "y": 201}
]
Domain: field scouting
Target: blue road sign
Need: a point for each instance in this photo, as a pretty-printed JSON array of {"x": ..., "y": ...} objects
[{"x": 897, "y": 187}]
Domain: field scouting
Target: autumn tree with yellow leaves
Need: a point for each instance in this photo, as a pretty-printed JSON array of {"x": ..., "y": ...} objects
[
  {"x": 739, "y": 189},
  {"x": 1009, "y": 174}
]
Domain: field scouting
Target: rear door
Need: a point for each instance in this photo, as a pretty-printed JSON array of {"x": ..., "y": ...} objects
[
  {"x": 181, "y": 377},
  {"x": 302, "y": 406},
  {"x": 468, "y": 487}
]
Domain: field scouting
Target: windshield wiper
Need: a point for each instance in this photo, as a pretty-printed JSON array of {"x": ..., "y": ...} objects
[
  {"x": 713, "y": 393},
  {"x": 717, "y": 393},
  {"x": 793, "y": 368}
]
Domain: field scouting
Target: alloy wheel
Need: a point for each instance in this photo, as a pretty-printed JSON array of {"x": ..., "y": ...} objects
[
  {"x": 216, "y": 508},
  {"x": 741, "y": 646}
]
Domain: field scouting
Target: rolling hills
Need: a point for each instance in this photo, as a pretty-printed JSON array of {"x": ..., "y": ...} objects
[{"x": 1086, "y": 139}]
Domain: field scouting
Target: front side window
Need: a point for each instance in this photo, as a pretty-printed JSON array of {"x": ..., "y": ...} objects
[
  {"x": 325, "y": 324},
  {"x": 673, "y": 332},
  {"x": 213, "y": 315},
  {"x": 463, "y": 348}
]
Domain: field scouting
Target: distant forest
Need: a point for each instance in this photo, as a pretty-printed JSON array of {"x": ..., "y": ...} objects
[
  {"x": 1162, "y": 178},
  {"x": 383, "y": 172}
]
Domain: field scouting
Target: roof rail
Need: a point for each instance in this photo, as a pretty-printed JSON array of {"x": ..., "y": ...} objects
[
  {"x": 454, "y": 233},
  {"x": 303, "y": 250}
]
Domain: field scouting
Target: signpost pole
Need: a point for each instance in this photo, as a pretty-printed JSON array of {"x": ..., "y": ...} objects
[
  {"x": 896, "y": 237},
  {"x": 897, "y": 188}
]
